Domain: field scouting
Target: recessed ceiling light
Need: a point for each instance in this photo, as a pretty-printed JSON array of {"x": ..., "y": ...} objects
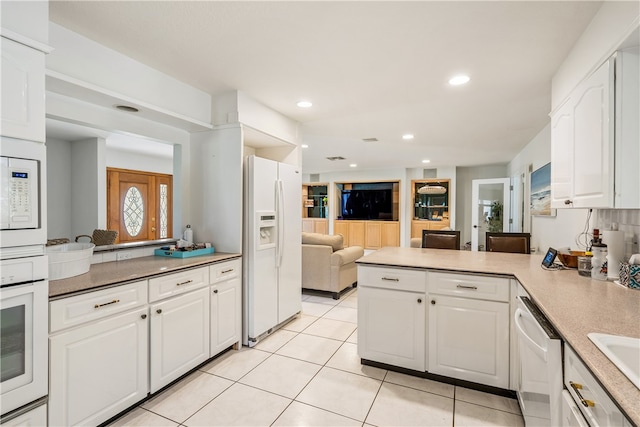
[
  {"x": 426, "y": 161},
  {"x": 459, "y": 80},
  {"x": 353, "y": 165},
  {"x": 304, "y": 104},
  {"x": 304, "y": 146},
  {"x": 407, "y": 136}
]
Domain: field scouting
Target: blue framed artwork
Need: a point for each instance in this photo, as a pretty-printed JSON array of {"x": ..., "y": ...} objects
[{"x": 540, "y": 199}]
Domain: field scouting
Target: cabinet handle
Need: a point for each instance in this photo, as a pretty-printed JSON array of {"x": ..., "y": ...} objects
[
  {"x": 419, "y": 300},
  {"x": 585, "y": 402},
  {"x": 115, "y": 301},
  {"x": 568, "y": 202},
  {"x": 226, "y": 271},
  {"x": 159, "y": 311},
  {"x": 144, "y": 316},
  {"x": 391, "y": 279},
  {"x": 475, "y": 288},
  {"x": 184, "y": 283},
  {"x": 433, "y": 302},
  {"x": 215, "y": 291}
]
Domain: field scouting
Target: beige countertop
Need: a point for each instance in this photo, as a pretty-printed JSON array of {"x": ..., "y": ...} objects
[
  {"x": 575, "y": 305},
  {"x": 118, "y": 272}
]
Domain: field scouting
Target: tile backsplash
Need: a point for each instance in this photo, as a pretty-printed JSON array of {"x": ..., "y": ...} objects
[{"x": 628, "y": 220}]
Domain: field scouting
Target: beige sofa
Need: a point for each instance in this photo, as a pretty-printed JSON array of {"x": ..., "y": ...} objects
[{"x": 327, "y": 265}]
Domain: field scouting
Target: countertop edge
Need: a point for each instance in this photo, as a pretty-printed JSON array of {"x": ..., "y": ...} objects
[{"x": 145, "y": 268}]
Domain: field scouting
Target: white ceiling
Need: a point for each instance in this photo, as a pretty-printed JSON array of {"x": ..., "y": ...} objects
[{"x": 372, "y": 69}]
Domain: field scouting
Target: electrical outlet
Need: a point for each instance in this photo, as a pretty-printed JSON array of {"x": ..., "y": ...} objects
[{"x": 123, "y": 255}]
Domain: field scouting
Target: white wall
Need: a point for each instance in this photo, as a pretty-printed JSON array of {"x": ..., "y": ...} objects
[
  {"x": 58, "y": 188},
  {"x": 613, "y": 23},
  {"x": 81, "y": 58},
  {"x": 465, "y": 176},
  {"x": 88, "y": 186},
  {"x": 561, "y": 230}
]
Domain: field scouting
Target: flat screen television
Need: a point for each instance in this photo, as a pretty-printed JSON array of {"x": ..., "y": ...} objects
[{"x": 368, "y": 201}]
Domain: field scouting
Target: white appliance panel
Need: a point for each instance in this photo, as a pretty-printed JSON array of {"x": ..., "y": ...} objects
[
  {"x": 290, "y": 249},
  {"x": 540, "y": 383}
]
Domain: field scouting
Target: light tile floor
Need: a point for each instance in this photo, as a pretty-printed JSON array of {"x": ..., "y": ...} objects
[{"x": 309, "y": 374}]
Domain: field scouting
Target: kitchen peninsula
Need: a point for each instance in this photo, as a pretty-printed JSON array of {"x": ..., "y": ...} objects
[{"x": 575, "y": 305}]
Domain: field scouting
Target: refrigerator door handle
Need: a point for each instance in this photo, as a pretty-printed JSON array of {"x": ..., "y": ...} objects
[{"x": 281, "y": 220}]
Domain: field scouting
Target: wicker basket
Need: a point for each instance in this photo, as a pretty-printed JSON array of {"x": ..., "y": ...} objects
[{"x": 101, "y": 237}]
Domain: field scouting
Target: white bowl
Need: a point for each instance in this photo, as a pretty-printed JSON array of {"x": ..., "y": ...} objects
[{"x": 69, "y": 259}]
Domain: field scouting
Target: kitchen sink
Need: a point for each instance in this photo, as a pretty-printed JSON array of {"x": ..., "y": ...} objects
[{"x": 624, "y": 352}]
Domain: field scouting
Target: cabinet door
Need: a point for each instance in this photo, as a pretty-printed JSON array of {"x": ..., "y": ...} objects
[
  {"x": 307, "y": 225},
  {"x": 321, "y": 225},
  {"x": 469, "y": 340},
  {"x": 390, "y": 234},
  {"x": 226, "y": 318},
  {"x": 593, "y": 138},
  {"x": 22, "y": 112},
  {"x": 562, "y": 157},
  {"x": 98, "y": 370},
  {"x": 391, "y": 327},
  {"x": 417, "y": 227},
  {"x": 342, "y": 227},
  {"x": 373, "y": 235},
  {"x": 179, "y": 336},
  {"x": 356, "y": 233}
]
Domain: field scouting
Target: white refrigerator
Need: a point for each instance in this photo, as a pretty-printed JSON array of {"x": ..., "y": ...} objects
[{"x": 272, "y": 246}]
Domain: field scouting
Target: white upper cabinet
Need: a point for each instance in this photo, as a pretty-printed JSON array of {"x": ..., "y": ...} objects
[
  {"x": 593, "y": 138},
  {"x": 23, "y": 113}
]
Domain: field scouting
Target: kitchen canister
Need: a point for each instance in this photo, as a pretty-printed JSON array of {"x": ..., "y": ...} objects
[{"x": 630, "y": 275}]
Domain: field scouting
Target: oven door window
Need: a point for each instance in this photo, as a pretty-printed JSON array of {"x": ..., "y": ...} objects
[{"x": 16, "y": 341}]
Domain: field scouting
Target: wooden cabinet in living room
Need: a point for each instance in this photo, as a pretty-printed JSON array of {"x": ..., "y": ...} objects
[
  {"x": 431, "y": 205},
  {"x": 315, "y": 208},
  {"x": 368, "y": 234}
]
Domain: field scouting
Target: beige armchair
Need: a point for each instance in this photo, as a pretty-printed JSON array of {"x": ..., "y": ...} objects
[{"x": 327, "y": 265}]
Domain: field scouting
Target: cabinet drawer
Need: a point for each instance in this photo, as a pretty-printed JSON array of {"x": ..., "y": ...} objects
[
  {"x": 177, "y": 283},
  {"x": 224, "y": 271},
  {"x": 578, "y": 379},
  {"x": 469, "y": 286},
  {"x": 79, "y": 309},
  {"x": 392, "y": 278}
]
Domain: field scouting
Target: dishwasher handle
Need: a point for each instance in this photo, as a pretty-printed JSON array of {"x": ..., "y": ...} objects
[{"x": 537, "y": 348}]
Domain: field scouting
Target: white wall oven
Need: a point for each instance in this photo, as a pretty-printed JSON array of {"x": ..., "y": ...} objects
[
  {"x": 24, "y": 288},
  {"x": 23, "y": 331}
]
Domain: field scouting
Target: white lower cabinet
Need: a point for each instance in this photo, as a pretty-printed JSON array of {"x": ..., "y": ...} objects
[
  {"x": 469, "y": 340},
  {"x": 98, "y": 369},
  {"x": 571, "y": 416},
  {"x": 392, "y": 316},
  {"x": 37, "y": 417},
  {"x": 226, "y": 316},
  {"x": 179, "y": 337}
]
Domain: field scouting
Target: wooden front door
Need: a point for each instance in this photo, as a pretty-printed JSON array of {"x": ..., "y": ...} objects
[{"x": 138, "y": 205}]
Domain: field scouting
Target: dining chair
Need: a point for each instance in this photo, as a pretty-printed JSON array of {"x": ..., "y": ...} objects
[
  {"x": 519, "y": 243},
  {"x": 441, "y": 239}
]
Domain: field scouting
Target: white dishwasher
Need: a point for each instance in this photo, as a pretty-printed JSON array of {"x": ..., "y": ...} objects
[{"x": 540, "y": 383}]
